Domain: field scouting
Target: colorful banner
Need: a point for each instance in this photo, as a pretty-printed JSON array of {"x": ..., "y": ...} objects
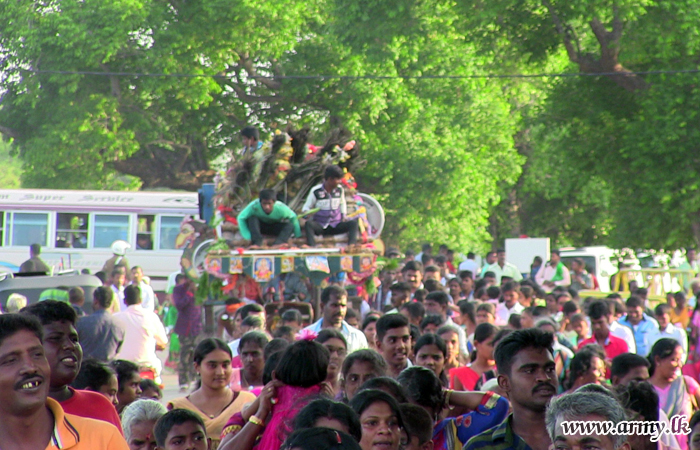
[
  {"x": 346, "y": 263},
  {"x": 263, "y": 268},
  {"x": 236, "y": 265},
  {"x": 287, "y": 264},
  {"x": 317, "y": 264}
]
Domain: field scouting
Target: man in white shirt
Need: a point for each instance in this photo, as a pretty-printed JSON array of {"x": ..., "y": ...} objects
[
  {"x": 469, "y": 264},
  {"x": 144, "y": 332},
  {"x": 619, "y": 330},
  {"x": 668, "y": 330},
  {"x": 510, "y": 305},
  {"x": 502, "y": 268},
  {"x": 554, "y": 273},
  {"x": 334, "y": 300},
  {"x": 148, "y": 297}
]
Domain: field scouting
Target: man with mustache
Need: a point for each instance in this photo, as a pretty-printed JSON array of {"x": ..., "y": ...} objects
[
  {"x": 334, "y": 301},
  {"x": 64, "y": 355},
  {"x": 527, "y": 374},
  {"x": 29, "y": 419}
]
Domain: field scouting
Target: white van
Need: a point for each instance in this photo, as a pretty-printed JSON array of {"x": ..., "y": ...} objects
[{"x": 599, "y": 262}]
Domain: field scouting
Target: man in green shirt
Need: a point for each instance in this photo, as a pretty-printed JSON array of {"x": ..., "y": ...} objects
[{"x": 267, "y": 216}]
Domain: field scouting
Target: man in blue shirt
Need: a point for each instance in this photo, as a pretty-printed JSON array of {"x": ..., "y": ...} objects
[{"x": 643, "y": 327}]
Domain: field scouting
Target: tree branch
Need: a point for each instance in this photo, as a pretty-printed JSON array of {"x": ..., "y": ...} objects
[
  {"x": 9, "y": 132},
  {"x": 568, "y": 44},
  {"x": 247, "y": 64},
  {"x": 252, "y": 98},
  {"x": 607, "y": 61}
]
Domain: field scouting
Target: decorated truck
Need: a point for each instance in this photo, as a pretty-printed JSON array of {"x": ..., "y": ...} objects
[{"x": 214, "y": 252}]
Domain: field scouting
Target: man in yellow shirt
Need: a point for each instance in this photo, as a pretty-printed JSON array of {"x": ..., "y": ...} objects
[{"x": 28, "y": 418}]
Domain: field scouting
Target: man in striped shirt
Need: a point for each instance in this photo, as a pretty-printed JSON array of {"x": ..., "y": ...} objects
[{"x": 330, "y": 219}]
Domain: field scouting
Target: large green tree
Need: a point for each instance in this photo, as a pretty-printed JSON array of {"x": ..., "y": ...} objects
[{"x": 614, "y": 159}]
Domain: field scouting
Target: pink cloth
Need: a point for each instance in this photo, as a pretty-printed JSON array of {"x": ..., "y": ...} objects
[{"x": 290, "y": 400}]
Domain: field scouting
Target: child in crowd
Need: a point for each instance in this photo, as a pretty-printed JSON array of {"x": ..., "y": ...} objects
[{"x": 181, "y": 429}]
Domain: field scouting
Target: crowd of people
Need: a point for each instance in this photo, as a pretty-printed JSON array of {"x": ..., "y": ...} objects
[{"x": 440, "y": 357}]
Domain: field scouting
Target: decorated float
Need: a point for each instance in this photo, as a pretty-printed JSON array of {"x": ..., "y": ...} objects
[{"x": 225, "y": 265}]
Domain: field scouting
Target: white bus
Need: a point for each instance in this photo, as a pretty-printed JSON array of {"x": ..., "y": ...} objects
[{"x": 76, "y": 229}]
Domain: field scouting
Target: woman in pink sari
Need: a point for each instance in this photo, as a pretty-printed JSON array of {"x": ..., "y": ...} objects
[{"x": 298, "y": 379}]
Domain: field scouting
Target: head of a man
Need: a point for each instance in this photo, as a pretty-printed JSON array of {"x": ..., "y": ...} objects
[
  {"x": 61, "y": 346},
  {"x": 510, "y": 293},
  {"x": 635, "y": 310},
  {"x": 590, "y": 404},
  {"x": 432, "y": 273},
  {"x": 526, "y": 369},
  {"x": 599, "y": 312},
  {"x": 132, "y": 295},
  {"x": 466, "y": 279},
  {"x": 662, "y": 313},
  {"x": 181, "y": 428},
  {"x": 267, "y": 198},
  {"x": 554, "y": 257},
  {"x": 24, "y": 370},
  {"x": 138, "y": 420},
  {"x": 501, "y": 257},
  {"x": 119, "y": 276},
  {"x": 436, "y": 303},
  {"x": 137, "y": 274},
  {"x": 414, "y": 312},
  {"x": 292, "y": 318},
  {"x": 412, "y": 274},
  {"x": 393, "y": 339},
  {"x": 34, "y": 250},
  {"x": 629, "y": 367},
  {"x": 102, "y": 298},
  {"x": 250, "y": 136},
  {"x": 332, "y": 176},
  {"x": 334, "y": 300},
  {"x": 491, "y": 257},
  {"x": 400, "y": 294}
]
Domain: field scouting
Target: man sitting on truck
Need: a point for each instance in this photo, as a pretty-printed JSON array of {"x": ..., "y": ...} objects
[
  {"x": 329, "y": 198},
  {"x": 267, "y": 216}
]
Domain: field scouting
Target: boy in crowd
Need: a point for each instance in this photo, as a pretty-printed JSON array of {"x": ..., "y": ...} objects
[
  {"x": 394, "y": 342},
  {"x": 181, "y": 428},
  {"x": 64, "y": 354}
]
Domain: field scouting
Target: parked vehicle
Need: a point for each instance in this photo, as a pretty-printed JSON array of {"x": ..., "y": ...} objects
[{"x": 598, "y": 260}]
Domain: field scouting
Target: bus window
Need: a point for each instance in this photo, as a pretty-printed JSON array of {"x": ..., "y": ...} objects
[
  {"x": 28, "y": 228},
  {"x": 71, "y": 230},
  {"x": 2, "y": 228},
  {"x": 169, "y": 229},
  {"x": 110, "y": 228},
  {"x": 144, "y": 236}
]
